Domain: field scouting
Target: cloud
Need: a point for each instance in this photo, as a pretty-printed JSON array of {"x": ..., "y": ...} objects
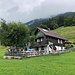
[
  {"x": 53, "y": 7},
  {"x": 14, "y": 10},
  {"x": 25, "y": 10}
]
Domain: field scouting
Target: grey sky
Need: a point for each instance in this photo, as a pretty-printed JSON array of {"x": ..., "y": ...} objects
[{"x": 26, "y": 10}]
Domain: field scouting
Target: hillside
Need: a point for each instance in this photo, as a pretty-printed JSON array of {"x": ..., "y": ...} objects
[
  {"x": 36, "y": 22},
  {"x": 65, "y": 14},
  {"x": 67, "y": 32}
]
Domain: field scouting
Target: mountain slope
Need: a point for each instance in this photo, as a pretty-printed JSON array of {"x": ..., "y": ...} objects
[
  {"x": 36, "y": 22},
  {"x": 67, "y": 32},
  {"x": 65, "y": 14}
]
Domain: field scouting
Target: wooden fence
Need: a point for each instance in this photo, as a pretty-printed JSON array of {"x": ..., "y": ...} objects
[
  {"x": 25, "y": 53},
  {"x": 31, "y": 53}
]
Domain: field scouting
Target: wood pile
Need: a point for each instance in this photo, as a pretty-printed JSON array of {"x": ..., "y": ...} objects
[{"x": 12, "y": 57}]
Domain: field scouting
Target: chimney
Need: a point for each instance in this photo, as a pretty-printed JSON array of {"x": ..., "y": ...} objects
[{"x": 48, "y": 29}]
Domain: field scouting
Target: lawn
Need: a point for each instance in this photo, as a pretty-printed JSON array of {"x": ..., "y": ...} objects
[{"x": 63, "y": 64}]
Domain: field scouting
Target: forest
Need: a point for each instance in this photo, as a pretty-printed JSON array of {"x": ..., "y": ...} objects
[{"x": 54, "y": 23}]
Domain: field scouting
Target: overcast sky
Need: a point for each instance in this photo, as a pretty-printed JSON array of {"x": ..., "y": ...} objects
[{"x": 26, "y": 10}]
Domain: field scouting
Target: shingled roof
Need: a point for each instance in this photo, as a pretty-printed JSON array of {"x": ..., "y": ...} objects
[{"x": 52, "y": 34}]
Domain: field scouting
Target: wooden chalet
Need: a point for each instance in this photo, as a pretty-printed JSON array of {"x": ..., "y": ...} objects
[{"x": 44, "y": 37}]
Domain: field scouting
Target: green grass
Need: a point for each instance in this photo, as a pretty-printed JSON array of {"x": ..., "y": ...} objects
[
  {"x": 63, "y": 64},
  {"x": 67, "y": 32}
]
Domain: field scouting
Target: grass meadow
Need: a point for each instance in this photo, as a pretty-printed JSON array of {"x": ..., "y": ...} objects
[
  {"x": 63, "y": 64},
  {"x": 67, "y": 32}
]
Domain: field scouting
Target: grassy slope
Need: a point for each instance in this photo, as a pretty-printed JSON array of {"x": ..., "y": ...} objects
[
  {"x": 67, "y": 32},
  {"x": 41, "y": 65}
]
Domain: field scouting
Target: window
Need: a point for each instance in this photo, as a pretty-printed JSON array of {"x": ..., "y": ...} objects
[
  {"x": 41, "y": 39},
  {"x": 38, "y": 40},
  {"x": 60, "y": 41}
]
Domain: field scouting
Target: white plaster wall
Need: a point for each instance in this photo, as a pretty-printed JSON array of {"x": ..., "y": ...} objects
[
  {"x": 59, "y": 48},
  {"x": 63, "y": 48}
]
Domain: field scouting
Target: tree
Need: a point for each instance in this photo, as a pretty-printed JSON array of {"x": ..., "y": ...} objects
[
  {"x": 53, "y": 24},
  {"x": 32, "y": 40},
  {"x": 68, "y": 21},
  {"x": 17, "y": 34},
  {"x": 43, "y": 26},
  {"x": 3, "y": 32},
  {"x": 60, "y": 21},
  {"x": 73, "y": 21}
]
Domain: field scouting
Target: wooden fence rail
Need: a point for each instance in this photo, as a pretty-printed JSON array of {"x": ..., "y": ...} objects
[{"x": 25, "y": 53}]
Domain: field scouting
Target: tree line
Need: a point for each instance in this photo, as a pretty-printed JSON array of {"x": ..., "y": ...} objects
[{"x": 54, "y": 23}]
